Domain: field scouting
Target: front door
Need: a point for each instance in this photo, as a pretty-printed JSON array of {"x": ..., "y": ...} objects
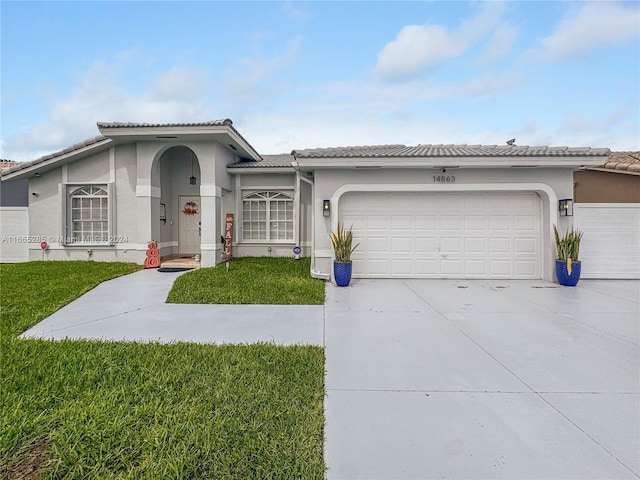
[{"x": 189, "y": 225}]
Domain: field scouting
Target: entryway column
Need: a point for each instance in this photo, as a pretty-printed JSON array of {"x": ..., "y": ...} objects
[{"x": 210, "y": 198}]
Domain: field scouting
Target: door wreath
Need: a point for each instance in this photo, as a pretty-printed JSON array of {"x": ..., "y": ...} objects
[{"x": 190, "y": 208}]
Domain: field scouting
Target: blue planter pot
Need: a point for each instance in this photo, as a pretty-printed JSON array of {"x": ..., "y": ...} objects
[
  {"x": 563, "y": 274},
  {"x": 342, "y": 273}
]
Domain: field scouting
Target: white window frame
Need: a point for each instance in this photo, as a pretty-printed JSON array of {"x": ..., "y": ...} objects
[
  {"x": 68, "y": 194},
  {"x": 268, "y": 195}
]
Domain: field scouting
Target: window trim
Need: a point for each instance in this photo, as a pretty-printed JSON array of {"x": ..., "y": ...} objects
[
  {"x": 288, "y": 193},
  {"x": 66, "y": 227}
]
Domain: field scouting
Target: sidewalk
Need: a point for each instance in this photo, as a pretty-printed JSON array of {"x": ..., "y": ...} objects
[{"x": 132, "y": 308}]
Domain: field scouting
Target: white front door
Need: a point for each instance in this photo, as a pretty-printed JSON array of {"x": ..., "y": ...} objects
[
  {"x": 189, "y": 225},
  {"x": 445, "y": 235}
]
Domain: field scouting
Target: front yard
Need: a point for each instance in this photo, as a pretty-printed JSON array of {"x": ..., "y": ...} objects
[
  {"x": 83, "y": 409},
  {"x": 251, "y": 280}
]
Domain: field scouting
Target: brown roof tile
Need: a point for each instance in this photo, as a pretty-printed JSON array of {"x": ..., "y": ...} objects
[{"x": 623, "y": 161}]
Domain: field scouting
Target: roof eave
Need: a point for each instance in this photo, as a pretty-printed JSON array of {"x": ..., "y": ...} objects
[
  {"x": 439, "y": 162},
  {"x": 249, "y": 170},
  {"x": 234, "y": 143},
  {"x": 25, "y": 169}
]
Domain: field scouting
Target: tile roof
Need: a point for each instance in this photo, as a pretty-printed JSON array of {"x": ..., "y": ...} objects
[
  {"x": 75, "y": 147},
  {"x": 212, "y": 123},
  {"x": 623, "y": 162},
  {"x": 282, "y": 160},
  {"x": 7, "y": 164},
  {"x": 449, "y": 151}
]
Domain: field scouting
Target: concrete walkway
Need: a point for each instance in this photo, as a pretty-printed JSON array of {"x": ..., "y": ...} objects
[
  {"x": 482, "y": 380},
  {"x": 132, "y": 308},
  {"x": 430, "y": 378}
]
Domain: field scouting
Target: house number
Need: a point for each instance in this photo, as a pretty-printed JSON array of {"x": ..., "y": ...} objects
[{"x": 444, "y": 179}]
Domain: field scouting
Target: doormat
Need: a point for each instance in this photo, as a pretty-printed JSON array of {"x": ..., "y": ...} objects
[{"x": 174, "y": 269}]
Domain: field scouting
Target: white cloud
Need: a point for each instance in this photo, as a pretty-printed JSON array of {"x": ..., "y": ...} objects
[
  {"x": 418, "y": 49},
  {"x": 594, "y": 25},
  {"x": 500, "y": 44},
  {"x": 253, "y": 79},
  {"x": 177, "y": 94}
]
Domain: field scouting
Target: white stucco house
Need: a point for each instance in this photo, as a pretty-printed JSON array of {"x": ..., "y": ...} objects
[{"x": 427, "y": 211}]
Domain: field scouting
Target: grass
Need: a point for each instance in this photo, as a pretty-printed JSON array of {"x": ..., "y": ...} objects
[
  {"x": 86, "y": 409},
  {"x": 251, "y": 280}
]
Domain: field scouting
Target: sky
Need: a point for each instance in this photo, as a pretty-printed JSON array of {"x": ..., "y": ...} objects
[{"x": 295, "y": 75}]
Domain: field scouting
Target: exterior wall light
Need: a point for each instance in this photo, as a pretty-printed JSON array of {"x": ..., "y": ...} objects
[
  {"x": 326, "y": 208},
  {"x": 566, "y": 207}
]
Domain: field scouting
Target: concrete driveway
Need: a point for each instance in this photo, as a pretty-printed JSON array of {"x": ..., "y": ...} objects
[{"x": 438, "y": 379}]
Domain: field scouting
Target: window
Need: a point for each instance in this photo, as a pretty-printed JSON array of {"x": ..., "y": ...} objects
[
  {"x": 267, "y": 217},
  {"x": 89, "y": 215}
]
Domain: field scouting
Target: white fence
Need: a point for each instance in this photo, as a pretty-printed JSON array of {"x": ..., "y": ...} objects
[
  {"x": 610, "y": 247},
  {"x": 14, "y": 232}
]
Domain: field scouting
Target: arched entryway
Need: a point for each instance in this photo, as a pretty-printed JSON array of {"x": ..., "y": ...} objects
[{"x": 179, "y": 202}]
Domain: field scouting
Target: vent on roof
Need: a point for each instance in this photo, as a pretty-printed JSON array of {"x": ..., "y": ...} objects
[{"x": 166, "y": 137}]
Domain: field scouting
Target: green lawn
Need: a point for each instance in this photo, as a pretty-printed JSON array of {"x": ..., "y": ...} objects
[
  {"x": 251, "y": 280},
  {"x": 85, "y": 409}
]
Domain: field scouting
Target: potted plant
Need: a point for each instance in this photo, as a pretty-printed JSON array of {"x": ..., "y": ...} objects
[
  {"x": 567, "y": 264},
  {"x": 342, "y": 243}
]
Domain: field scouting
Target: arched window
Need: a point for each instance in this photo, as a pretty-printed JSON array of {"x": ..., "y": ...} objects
[
  {"x": 267, "y": 217},
  {"x": 89, "y": 215}
]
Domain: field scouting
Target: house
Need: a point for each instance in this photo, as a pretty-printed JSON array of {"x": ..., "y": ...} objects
[
  {"x": 428, "y": 211},
  {"x": 607, "y": 210}
]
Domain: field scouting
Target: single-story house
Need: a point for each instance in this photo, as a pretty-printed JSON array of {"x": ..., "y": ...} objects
[
  {"x": 427, "y": 211},
  {"x": 607, "y": 210}
]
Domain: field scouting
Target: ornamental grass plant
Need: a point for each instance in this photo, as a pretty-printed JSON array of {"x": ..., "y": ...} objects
[
  {"x": 342, "y": 243},
  {"x": 568, "y": 246}
]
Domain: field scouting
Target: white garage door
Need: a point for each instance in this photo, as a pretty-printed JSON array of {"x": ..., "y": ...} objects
[
  {"x": 610, "y": 246},
  {"x": 445, "y": 235}
]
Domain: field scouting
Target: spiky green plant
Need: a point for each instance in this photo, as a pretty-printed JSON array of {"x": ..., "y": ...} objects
[
  {"x": 568, "y": 246},
  {"x": 342, "y": 241}
]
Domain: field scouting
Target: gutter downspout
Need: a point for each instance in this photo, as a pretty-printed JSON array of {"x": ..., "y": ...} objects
[{"x": 313, "y": 271}]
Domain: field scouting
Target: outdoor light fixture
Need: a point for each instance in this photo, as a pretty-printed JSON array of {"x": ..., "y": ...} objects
[
  {"x": 192, "y": 179},
  {"x": 566, "y": 207},
  {"x": 326, "y": 208}
]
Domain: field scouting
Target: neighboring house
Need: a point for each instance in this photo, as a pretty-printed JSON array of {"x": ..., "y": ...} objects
[
  {"x": 607, "y": 210},
  {"x": 428, "y": 211},
  {"x": 14, "y": 217}
]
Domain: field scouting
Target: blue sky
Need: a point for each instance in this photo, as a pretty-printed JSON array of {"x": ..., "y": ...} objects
[{"x": 321, "y": 74}]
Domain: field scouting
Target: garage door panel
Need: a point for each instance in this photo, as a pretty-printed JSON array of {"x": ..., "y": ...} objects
[
  {"x": 427, "y": 223},
  {"x": 527, "y": 246},
  {"x": 403, "y": 268},
  {"x": 435, "y": 235},
  {"x": 402, "y": 245},
  {"x": 378, "y": 222},
  {"x": 475, "y": 245},
  {"x": 474, "y": 222},
  {"x": 451, "y": 222},
  {"x": 427, "y": 268},
  {"x": 499, "y": 222},
  {"x": 451, "y": 267},
  {"x": 500, "y": 245},
  {"x": 524, "y": 223},
  {"x": 426, "y": 245},
  {"x": 402, "y": 222},
  {"x": 524, "y": 268},
  {"x": 450, "y": 245},
  {"x": 499, "y": 268},
  {"x": 377, "y": 245},
  {"x": 476, "y": 267}
]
